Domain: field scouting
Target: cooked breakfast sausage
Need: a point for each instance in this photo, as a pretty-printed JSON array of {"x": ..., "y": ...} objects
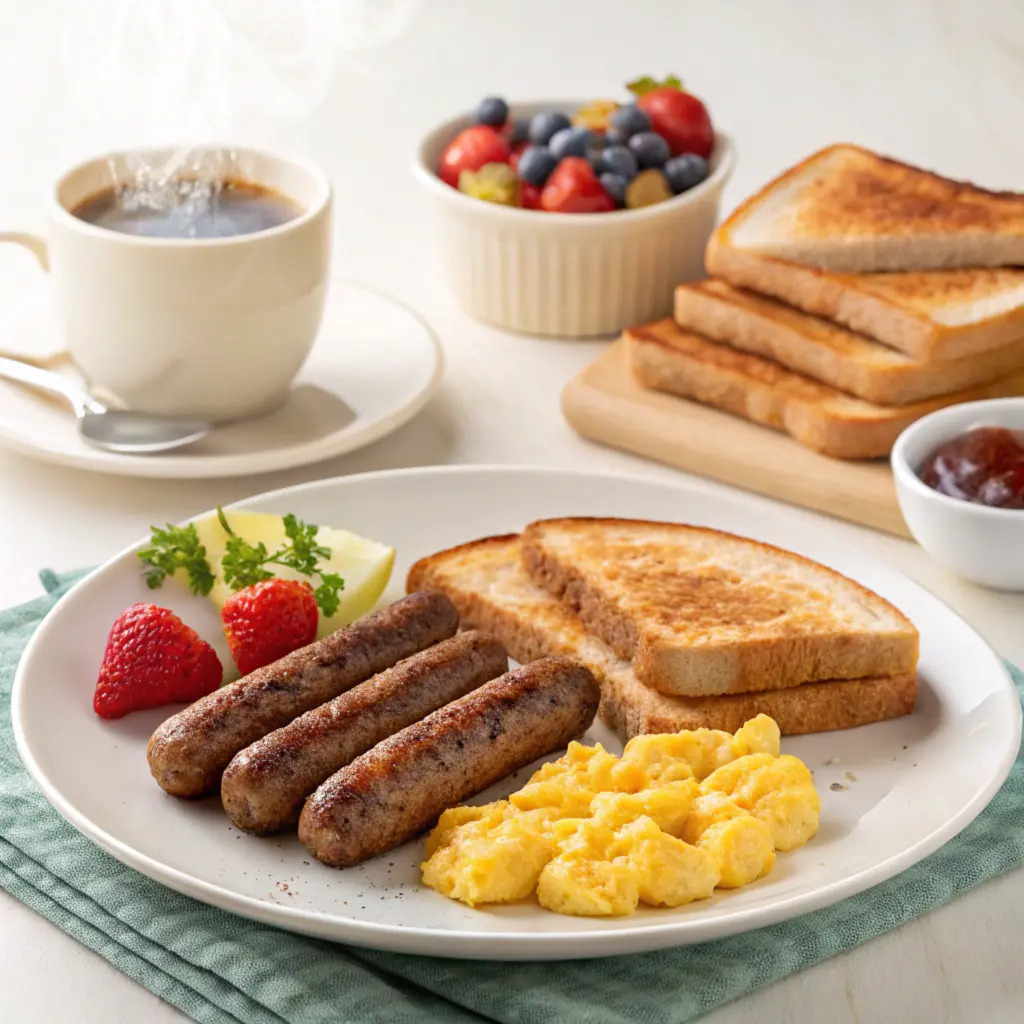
[
  {"x": 402, "y": 785},
  {"x": 265, "y": 785},
  {"x": 188, "y": 753}
]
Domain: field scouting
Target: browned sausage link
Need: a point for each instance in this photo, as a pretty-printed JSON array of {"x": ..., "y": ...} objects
[
  {"x": 402, "y": 785},
  {"x": 265, "y": 785},
  {"x": 188, "y": 753}
]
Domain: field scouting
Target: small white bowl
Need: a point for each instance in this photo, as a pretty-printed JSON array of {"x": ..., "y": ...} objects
[
  {"x": 562, "y": 274},
  {"x": 982, "y": 544}
]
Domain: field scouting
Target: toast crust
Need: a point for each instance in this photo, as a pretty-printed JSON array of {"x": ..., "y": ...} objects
[
  {"x": 812, "y": 707},
  {"x": 877, "y": 305},
  {"x": 666, "y": 358},
  {"x": 757, "y": 618},
  {"x": 827, "y": 352},
  {"x": 532, "y": 625}
]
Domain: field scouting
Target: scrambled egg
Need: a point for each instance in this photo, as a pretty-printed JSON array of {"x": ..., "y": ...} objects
[
  {"x": 592, "y": 834},
  {"x": 776, "y": 790}
]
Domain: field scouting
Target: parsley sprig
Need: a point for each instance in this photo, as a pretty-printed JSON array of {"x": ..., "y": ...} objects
[
  {"x": 243, "y": 564},
  {"x": 173, "y": 548}
]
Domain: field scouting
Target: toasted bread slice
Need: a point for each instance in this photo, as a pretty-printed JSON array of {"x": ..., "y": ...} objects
[
  {"x": 830, "y": 353},
  {"x": 665, "y": 357},
  {"x": 938, "y": 314},
  {"x": 486, "y": 581},
  {"x": 701, "y": 613},
  {"x": 847, "y": 209}
]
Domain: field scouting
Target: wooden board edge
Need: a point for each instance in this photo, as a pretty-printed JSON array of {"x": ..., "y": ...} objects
[{"x": 601, "y": 405}]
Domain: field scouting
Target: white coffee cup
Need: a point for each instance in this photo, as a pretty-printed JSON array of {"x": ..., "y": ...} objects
[{"x": 215, "y": 328}]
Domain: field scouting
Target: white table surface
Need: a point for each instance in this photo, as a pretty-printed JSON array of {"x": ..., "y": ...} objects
[{"x": 937, "y": 82}]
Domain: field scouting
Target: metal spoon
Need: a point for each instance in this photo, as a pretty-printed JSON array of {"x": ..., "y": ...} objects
[{"x": 129, "y": 433}]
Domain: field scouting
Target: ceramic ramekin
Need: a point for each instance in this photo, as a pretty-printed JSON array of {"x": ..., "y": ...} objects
[
  {"x": 982, "y": 544},
  {"x": 568, "y": 275}
]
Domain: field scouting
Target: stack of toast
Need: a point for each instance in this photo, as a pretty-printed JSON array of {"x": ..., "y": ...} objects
[
  {"x": 849, "y": 297},
  {"x": 685, "y": 627}
]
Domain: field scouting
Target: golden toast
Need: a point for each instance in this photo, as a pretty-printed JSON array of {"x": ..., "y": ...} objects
[
  {"x": 488, "y": 584},
  {"x": 849, "y": 210},
  {"x": 939, "y": 314},
  {"x": 700, "y": 613},
  {"x": 665, "y": 357},
  {"x": 830, "y": 353}
]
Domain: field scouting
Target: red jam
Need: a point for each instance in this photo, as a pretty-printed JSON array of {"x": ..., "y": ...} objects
[{"x": 985, "y": 465}]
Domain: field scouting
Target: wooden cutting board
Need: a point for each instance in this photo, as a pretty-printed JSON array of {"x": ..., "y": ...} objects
[{"x": 605, "y": 404}]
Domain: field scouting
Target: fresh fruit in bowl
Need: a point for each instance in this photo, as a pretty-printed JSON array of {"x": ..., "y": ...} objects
[
  {"x": 596, "y": 114},
  {"x": 676, "y": 115},
  {"x": 471, "y": 149},
  {"x": 603, "y": 156},
  {"x": 573, "y": 187}
]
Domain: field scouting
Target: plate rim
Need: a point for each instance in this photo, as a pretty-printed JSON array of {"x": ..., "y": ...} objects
[
  {"x": 483, "y": 945},
  {"x": 333, "y": 445}
]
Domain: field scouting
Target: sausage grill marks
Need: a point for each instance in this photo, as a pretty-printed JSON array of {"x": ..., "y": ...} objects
[
  {"x": 190, "y": 751},
  {"x": 400, "y": 787},
  {"x": 266, "y": 784}
]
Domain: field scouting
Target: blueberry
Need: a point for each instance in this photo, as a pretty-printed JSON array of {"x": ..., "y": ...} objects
[
  {"x": 629, "y": 121},
  {"x": 520, "y": 131},
  {"x": 492, "y": 111},
  {"x": 620, "y": 161},
  {"x": 683, "y": 172},
  {"x": 615, "y": 185},
  {"x": 536, "y": 165},
  {"x": 543, "y": 126},
  {"x": 650, "y": 149},
  {"x": 613, "y": 137},
  {"x": 570, "y": 142}
]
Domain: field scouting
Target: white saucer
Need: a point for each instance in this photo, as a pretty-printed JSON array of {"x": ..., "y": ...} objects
[{"x": 375, "y": 365}]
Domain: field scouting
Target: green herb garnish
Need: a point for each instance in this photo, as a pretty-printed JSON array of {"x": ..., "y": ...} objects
[
  {"x": 173, "y": 548},
  {"x": 244, "y": 564}
]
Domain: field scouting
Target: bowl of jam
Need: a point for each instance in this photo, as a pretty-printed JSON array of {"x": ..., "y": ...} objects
[
  {"x": 959, "y": 476},
  {"x": 984, "y": 465}
]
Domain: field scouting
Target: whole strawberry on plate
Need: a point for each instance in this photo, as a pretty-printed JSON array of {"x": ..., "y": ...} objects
[
  {"x": 267, "y": 620},
  {"x": 152, "y": 658}
]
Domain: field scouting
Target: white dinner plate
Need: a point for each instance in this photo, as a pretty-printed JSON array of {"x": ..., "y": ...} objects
[
  {"x": 891, "y": 792},
  {"x": 376, "y": 363}
]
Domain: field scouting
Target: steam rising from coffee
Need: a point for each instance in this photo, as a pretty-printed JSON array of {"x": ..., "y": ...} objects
[{"x": 146, "y": 74}]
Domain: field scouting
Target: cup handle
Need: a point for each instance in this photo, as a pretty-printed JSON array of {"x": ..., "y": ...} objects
[{"x": 33, "y": 243}]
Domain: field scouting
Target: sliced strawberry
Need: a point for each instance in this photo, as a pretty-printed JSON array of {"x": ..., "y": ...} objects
[
  {"x": 268, "y": 620},
  {"x": 573, "y": 188},
  {"x": 529, "y": 196},
  {"x": 153, "y": 658}
]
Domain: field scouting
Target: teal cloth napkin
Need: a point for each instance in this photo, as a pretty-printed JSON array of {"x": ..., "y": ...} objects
[{"x": 219, "y": 968}]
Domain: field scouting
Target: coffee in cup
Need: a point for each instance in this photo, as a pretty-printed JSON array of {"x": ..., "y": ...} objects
[
  {"x": 189, "y": 208},
  {"x": 201, "y": 301}
]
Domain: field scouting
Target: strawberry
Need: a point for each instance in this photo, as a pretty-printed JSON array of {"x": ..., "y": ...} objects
[
  {"x": 153, "y": 658},
  {"x": 268, "y": 620},
  {"x": 573, "y": 188},
  {"x": 529, "y": 196},
  {"x": 517, "y": 151}
]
